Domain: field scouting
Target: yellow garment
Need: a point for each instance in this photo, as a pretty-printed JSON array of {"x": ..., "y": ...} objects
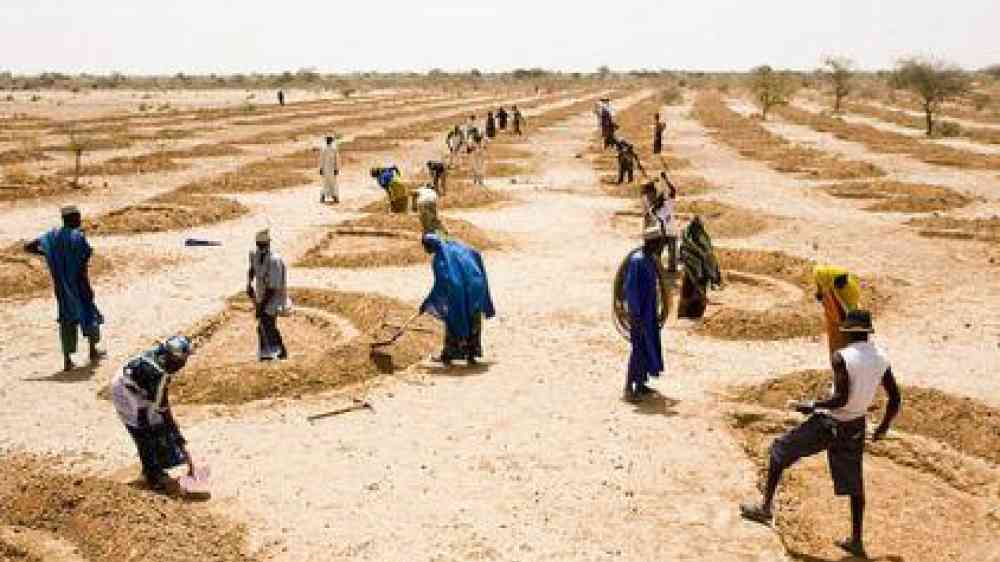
[
  {"x": 836, "y": 302},
  {"x": 849, "y": 296}
]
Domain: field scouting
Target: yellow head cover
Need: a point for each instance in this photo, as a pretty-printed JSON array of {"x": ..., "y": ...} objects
[{"x": 849, "y": 295}]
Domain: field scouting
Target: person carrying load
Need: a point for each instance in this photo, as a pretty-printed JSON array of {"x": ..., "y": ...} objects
[
  {"x": 840, "y": 293},
  {"x": 391, "y": 180}
]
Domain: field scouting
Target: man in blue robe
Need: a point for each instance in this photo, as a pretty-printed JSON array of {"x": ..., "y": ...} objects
[
  {"x": 460, "y": 297},
  {"x": 641, "y": 288},
  {"x": 67, "y": 254}
]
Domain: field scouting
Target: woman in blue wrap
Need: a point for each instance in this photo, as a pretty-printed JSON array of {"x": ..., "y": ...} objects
[
  {"x": 460, "y": 297},
  {"x": 641, "y": 292}
]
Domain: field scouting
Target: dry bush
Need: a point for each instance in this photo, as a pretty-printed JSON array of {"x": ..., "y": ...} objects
[
  {"x": 981, "y": 229},
  {"x": 900, "y": 197},
  {"x": 379, "y": 240},
  {"x": 752, "y": 140},
  {"x": 109, "y": 521},
  {"x": 887, "y": 142},
  {"x": 309, "y": 370}
]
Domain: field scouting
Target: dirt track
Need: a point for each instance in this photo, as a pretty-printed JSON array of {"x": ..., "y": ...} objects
[{"x": 532, "y": 456}]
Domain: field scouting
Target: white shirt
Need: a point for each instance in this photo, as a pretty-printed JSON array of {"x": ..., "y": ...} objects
[
  {"x": 328, "y": 159},
  {"x": 866, "y": 365},
  {"x": 269, "y": 273}
]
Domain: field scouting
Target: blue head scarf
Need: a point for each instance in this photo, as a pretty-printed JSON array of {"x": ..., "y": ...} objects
[
  {"x": 461, "y": 289},
  {"x": 641, "y": 296},
  {"x": 67, "y": 252}
]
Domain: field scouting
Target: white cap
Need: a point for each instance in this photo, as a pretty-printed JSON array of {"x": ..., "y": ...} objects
[
  {"x": 652, "y": 233},
  {"x": 264, "y": 235}
]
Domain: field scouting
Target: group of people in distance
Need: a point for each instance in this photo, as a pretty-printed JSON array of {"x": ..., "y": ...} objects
[{"x": 461, "y": 299}]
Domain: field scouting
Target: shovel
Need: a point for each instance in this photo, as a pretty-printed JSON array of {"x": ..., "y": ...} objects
[{"x": 399, "y": 333}]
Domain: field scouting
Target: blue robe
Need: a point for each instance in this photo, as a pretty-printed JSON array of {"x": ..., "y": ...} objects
[
  {"x": 641, "y": 296},
  {"x": 461, "y": 289},
  {"x": 67, "y": 253}
]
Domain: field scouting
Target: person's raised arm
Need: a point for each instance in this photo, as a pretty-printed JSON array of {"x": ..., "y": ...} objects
[{"x": 892, "y": 407}]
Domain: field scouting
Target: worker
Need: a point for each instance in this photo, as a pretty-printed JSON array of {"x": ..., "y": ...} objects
[
  {"x": 439, "y": 175},
  {"x": 390, "y": 179},
  {"x": 502, "y": 118},
  {"x": 658, "y": 211},
  {"x": 477, "y": 162},
  {"x": 472, "y": 132},
  {"x": 518, "y": 119},
  {"x": 658, "y": 128},
  {"x": 628, "y": 160},
  {"x": 426, "y": 205},
  {"x": 455, "y": 142},
  {"x": 67, "y": 254},
  {"x": 267, "y": 288},
  {"x": 140, "y": 394},
  {"x": 491, "y": 125},
  {"x": 460, "y": 297},
  {"x": 701, "y": 270},
  {"x": 840, "y": 292},
  {"x": 641, "y": 289},
  {"x": 329, "y": 168},
  {"x": 837, "y": 426},
  {"x": 281, "y": 97},
  {"x": 606, "y": 120}
]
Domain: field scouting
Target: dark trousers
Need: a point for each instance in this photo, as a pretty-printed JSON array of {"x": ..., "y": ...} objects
[
  {"x": 439, "y": 179},
  {"x": 269, "y": 338},
  {"x": 159, "y": 449},
  {"x": 625, "y": 170},
  {"x": 461, "y": 348},
  {"x": 672, "y": 252},
  {"x": 844, "y": 443}
]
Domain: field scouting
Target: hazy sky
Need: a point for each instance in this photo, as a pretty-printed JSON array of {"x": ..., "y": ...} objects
[{"x": 203, "y": 36}]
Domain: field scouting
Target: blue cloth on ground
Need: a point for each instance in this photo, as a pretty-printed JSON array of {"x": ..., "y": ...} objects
[
  {"x": 461, "y": 288},
  {"x": 67, "y": 253},
  {"x": 641, "y": 296}
]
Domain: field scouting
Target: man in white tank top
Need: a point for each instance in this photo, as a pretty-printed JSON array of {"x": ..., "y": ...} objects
[{"x": 837, "y": 426}]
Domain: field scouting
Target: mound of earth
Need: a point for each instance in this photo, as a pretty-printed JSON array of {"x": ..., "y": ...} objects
[
  {"x": 385, "y": 239},
  {"x": 982, "y": 229},
  {"x": 900, "y": 197},
  {"x": 328, "y": 340},
  {"x": 97, "y": 519},
  {"x": 170, "y": 211}
]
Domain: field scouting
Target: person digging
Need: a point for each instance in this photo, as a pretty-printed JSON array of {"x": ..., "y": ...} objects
[{"x": 837, "y": 426}]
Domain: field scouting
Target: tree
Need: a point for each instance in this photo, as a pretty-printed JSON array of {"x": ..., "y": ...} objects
[
  {"x": 77, "y": 144},
  {"x": 770, "y": 88},
  {"x": 603, "y": 71},
  {"x": 935, "y": 81},
  {"x": 840, "y": 72},
  {"x": 993, "y": 70}
]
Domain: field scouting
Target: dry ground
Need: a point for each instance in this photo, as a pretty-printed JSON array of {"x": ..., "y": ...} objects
[{"x": 531, "y": 455}]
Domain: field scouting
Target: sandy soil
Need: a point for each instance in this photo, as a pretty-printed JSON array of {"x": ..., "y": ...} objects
[{"x": 532, "y": 455}]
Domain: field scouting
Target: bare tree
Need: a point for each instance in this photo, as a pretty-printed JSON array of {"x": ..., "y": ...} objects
[
  {"x": 840, "y": 72},
  {"x": 77, "y": 144},
  {"x": 934, "y": 81},
  {"x": 770, "y": 88}
]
